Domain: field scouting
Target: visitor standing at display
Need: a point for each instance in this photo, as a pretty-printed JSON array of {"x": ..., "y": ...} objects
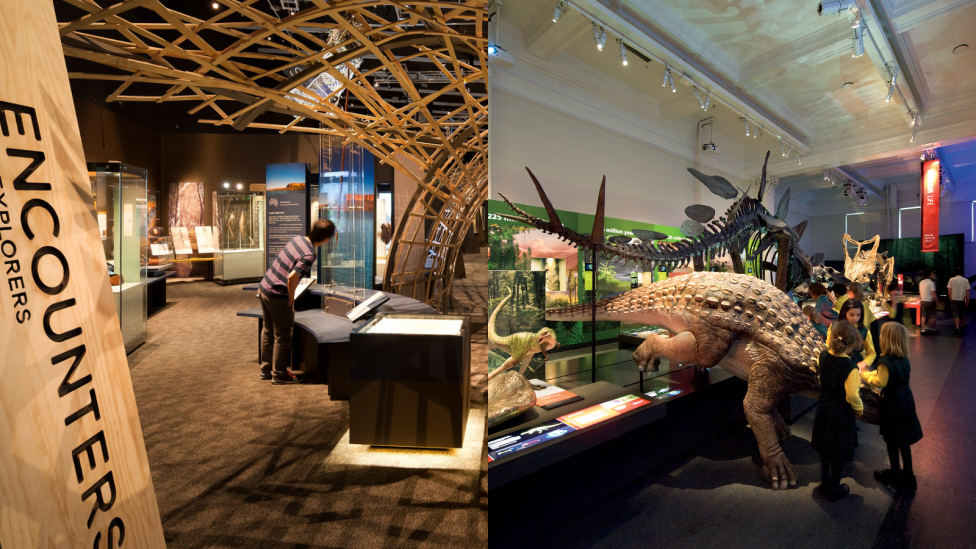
[
  {"x": 823, "y": 305},
  {"x": 959, "y": 299},
  {"x": 926, "y": 288},
  {"x": 853, "y": 312},
  {"x": 818, "y": 322},
  {"x": 898, "y": 420},
  {"x": 277, "y": 295},
  {"x": 834, "y": 429}
]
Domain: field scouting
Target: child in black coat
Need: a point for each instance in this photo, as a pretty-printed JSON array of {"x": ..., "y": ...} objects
[
  {"x": 897, "y": 417},
  {"x": 834, "y": 429}
]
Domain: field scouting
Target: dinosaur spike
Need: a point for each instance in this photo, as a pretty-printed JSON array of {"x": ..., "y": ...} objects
[
  {"x": 799, "y": 229},
  {"x": 553, "y": 218},
  {"x": 762, "y": 183},
  {"x": 596, "y": 236}
]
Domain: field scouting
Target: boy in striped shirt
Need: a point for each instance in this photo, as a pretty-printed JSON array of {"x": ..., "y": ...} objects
[{"x": 277, "y": 295}]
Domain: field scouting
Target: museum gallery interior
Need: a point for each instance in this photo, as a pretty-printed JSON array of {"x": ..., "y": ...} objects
[{"x": 334, "y": 273}]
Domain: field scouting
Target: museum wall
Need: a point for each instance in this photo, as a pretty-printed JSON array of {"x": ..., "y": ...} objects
[
  {"x": 570, "y": 157},
  {"x": 107, "y": 136}
]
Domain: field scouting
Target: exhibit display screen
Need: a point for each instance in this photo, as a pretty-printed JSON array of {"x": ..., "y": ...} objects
[{"x": 416, "y": 326}]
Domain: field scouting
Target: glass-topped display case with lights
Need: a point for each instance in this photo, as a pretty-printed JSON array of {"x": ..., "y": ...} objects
[
  {"x": 161, "y": 254},
  {"x": 121, "y": 211},
  {"x": 240, "y": 234}
]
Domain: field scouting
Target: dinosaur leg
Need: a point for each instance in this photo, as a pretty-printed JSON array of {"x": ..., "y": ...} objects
[
  {"x": 510, "y": 363},
  {"x": 764, "y": 393},
  {"x": 703, "y": 347},
  {"x": 782, "y": 429}
]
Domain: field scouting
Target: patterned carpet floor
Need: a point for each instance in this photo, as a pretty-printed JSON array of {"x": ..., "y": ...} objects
[{"x": 237, "y": 462}]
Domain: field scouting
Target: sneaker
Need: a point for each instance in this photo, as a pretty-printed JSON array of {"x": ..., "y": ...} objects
[
  {"x": 265, "y": 376},
  {"x": 839, "y": 492},
  {"x": 286, "y": 379},
  {"x": 888, "y": 477}
]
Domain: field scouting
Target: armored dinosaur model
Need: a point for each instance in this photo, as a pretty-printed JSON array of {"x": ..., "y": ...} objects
[
  {"x": 747, "y": 226},
  {"x": 738, "y": 322},
  {"x": 521, "y": 345}
]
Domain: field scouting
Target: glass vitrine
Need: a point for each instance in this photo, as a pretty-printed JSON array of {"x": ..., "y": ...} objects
[
  {"x": 239, "y": 227},
  {"x": 121, "y": 210}
]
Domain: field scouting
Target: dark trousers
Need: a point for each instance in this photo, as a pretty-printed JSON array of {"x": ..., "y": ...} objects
[
  {"x": 906, "y": 458},
  {"x": 830, "y": 472},
  {"x": 279, "y": 319}
]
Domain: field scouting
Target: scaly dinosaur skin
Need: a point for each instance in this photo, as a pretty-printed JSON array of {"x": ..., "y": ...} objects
[
  {"x": 521, "y": 344},
  {"x": 738, "y": 322}
]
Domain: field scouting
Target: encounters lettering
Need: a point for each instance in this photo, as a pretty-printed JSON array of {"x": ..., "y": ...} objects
[{"x": 103, "y": 491}]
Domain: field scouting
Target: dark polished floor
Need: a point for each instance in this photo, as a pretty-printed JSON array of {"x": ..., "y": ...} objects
[{"x": 711, "y": 496}]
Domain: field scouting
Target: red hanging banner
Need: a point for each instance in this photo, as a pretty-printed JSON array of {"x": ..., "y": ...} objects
[{"x": 930, "y": 206}]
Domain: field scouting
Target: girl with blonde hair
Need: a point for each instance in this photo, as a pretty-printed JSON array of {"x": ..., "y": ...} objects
[{"x": 897, "y": 417}]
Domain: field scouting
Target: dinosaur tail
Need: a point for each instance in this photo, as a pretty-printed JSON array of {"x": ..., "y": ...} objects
[
  {"x": 493, "y": 336},
  {"x": 582, "y": 312}
]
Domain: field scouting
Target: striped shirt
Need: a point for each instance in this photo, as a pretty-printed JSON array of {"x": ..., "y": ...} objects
[{"x": 297, "y": 256}]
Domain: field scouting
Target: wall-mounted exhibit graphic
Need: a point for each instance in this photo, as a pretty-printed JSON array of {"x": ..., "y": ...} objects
[
  {"x": 205, "y": 240},
  {"x": 439, "y": 145},
  {"x": 73, "y": 467},
  {"x": 181, "y": 240},
  {"x": 739, "y": 322}
]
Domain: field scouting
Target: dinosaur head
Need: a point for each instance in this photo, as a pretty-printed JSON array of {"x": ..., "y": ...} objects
[{"x": 546, "y": 339}]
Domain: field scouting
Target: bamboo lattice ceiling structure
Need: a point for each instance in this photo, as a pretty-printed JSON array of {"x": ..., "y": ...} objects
[{"x": 405, "y": 80}]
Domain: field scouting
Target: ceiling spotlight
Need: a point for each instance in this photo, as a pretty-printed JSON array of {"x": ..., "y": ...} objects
[
  {"x": 828, "y": 7},
  {"x": 216, "y": 5},
  {"x": 226, "y": 185},
  {"x": 560, "y": 7},
  {"x": 239, "y": 186},
  {"x": 825, "y": 175},
  {"x": 789, "y": 149},
  {"x": 891, "y": 86},
  {"x": 782, "y": 152},
  {"x": 599, "y": 36},
  {"x": 698, "y": 97},
  {"x": 667, "y": 74},
  {"x": 857, "y": 38},
  {"x": 492, "y": 50},
  {"x": 746, "y": 121},
  {"x": 623, "y": 53},
  {"x": 798, "y": 158},
  {"x": 755, "y": 134},
  {"x": 914, "y": 128},
  {"x": 708, "y": 98}
]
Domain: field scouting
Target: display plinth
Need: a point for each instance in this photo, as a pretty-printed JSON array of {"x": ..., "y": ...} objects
[{"x": 408, "y": 381}]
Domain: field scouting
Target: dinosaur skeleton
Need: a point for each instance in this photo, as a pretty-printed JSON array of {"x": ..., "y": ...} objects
[
  {"x": 867, "y": 265},
  {"x": 747, "y": 226}
]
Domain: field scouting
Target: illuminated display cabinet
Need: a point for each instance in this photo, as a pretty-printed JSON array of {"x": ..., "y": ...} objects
[
  {"x": 121, "y": 211},
  {"x": 408, "y": 380},
  {"x": 239, "y": 219}
]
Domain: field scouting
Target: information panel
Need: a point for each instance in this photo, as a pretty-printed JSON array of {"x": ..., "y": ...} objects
[{"x": 288, "y": 208}]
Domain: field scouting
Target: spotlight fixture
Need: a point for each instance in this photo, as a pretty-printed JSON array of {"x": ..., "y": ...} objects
[
  {"x": 756, "y": 133},
  {"x": 891, "y": 86},
  {"x": 833, "y": 6},
  {"x": 698, "y": 97},
  {"x": 782, "y": 152},
  {"x": 560, "y": 8},
  {"x": 668, "y": 78},
  {"x": 914, "y": 128},
  {"x": 825, "y": 175},
  {"x": 239, "y": 186},
  {"x": 708, "y": 98},
  {"x": 857, "y": 39},
  {"x": 623, "y": 53},
  {"x": 226, "y": 185},
  {"x": 492, "y": 50},
  {"x": 599, "y": 36},
  {"x": 789, "y": 149},
  {"x": 798, "y": 158},
  {"x": 216, "y": 5},
  {"x": 746, "y": 121}
]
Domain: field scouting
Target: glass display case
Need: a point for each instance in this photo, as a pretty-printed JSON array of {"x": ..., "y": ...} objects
[
  {"x": 160, "y": 255},
  {"x": 240, "y": 232},
  {"x": 346, "y": 197},
  {"x": 121, "y": 211}
]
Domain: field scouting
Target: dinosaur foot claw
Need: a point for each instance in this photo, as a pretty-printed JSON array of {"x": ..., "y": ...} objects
[{"x": 779, "y": 472}]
